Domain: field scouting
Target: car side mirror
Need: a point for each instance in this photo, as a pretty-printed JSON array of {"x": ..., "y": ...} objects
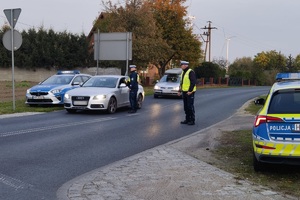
[
  {"x": 260, "y": 101},
  {"x": 76, "y": 83},
  {"x": 122, "y": 85}
]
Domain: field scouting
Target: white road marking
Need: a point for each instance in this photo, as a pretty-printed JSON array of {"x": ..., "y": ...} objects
[
  {"x": 14, "y": 183},
  {"x": 19, "y": 132}
]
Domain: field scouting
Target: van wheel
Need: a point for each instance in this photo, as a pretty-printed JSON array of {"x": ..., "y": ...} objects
[{"x": 155, "y": 96}]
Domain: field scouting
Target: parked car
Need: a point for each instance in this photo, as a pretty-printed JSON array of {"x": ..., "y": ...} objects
[
  {"x": 102, "y": 92},
  {"x": 168, "y": 85},
  {"x": 52, "y": 90},
  {"x": 276, "y": 130}
]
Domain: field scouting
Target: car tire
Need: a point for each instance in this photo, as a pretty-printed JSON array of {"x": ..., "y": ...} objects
[
  {"x": 71, "y": 111},
  {"x": 140, "y": 101},
  {"x": 112, "y": 105},
  {"x": 155, "y": 96},
  {"x": 257, "y": 165}
]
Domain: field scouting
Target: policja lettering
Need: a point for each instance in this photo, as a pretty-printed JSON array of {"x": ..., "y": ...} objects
[{"x": 280, "y": 128}]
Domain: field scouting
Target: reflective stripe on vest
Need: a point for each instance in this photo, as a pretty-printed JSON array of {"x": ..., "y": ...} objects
[
  {"x": 138, "y": 79},
  {"x": 186, "y": 81}
]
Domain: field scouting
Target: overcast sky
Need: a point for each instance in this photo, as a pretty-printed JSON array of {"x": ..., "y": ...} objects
[{"x": 253, "y": 26}]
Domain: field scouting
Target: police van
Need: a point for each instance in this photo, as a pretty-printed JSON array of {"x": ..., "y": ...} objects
[
  {"x": 168, "y": 85},
  {"x": 276, "y": 129}
]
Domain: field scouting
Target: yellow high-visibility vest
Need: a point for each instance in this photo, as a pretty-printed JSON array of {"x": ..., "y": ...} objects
[
  {"x": 186, "y": 81},
  {"x": 138, "y": 79}
]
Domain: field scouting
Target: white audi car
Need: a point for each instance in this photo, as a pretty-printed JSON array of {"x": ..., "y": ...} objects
[{"x": 102, "y": 92}]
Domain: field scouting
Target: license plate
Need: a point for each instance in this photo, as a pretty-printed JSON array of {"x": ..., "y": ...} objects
[
  {"x": 80, "y": 103},
  {"x": 38, "y": 97}
]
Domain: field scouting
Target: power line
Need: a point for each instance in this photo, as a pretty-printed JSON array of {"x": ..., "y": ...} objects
[{"x": 208, "y": 40}]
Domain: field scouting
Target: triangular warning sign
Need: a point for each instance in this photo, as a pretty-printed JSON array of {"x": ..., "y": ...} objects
[{"x": 12, "y": 15}]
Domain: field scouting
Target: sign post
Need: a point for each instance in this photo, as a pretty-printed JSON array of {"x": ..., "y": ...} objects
[{"x": 12, "y": 16}]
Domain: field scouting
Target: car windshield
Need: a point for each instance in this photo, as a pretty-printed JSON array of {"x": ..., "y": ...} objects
[
  {"x": 58, "y": 79},
  {"x": 172, "y": 78},
  {"x": 107, "y": 82},
  {"x": 287, "y": 102}
]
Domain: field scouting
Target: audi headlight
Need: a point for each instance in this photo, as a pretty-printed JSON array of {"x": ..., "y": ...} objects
[
  {"x": 28, "y": 91},
  {"x": 67, "y": 96},
  {"x": 99, "y": 97}
]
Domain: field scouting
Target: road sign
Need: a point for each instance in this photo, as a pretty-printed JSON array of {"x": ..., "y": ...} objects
[
  {"x": 12, "y": 15},
  {"x": 7, "y": 40},
  {"x": 113, "y": 46}
]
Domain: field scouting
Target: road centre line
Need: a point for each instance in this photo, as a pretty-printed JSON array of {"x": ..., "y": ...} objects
[{"x": 19, "y": 132}]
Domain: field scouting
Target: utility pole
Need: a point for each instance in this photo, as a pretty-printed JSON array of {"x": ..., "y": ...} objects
[
  {"x": 206, "y": 41},
  {"x": 208, "y": 34}
]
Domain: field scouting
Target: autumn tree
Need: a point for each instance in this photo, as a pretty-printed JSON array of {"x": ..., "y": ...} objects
[
  {"x": 159, "y": 29},
  {"x": 270, "y": 60},
  {"x": 136, "y": 17},
  {"x": 170, "y": 17}
]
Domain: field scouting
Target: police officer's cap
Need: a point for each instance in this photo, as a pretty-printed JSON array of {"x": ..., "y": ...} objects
[
  {"x": 132, "y": 66},
  {"x": 184, "y": 62}
]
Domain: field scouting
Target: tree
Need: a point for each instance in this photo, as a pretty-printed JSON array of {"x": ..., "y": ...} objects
[
  {"x": 136, "y": 17},
  {"x": 47, "y": 49},
  {"x": 270, "y": 60},
  {"x": 222, "y": 62},
  {"x": 169, "y": 15},
  {"x": 159, "y": 31},
  {"x": 242, "y": 68},
  {"x": 296, "y": 62},
  {"x": 5, "y": 56},
  {"x": 209, "y": 70}
]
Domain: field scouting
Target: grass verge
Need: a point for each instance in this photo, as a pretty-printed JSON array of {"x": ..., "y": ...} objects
[
  {"x": 20, "y": 106},
  {"x": 235, "y": 155}
]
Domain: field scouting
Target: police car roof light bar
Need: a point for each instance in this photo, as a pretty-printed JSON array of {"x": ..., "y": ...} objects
[
  {"x": 287, "y": 76},
  {"x": 68, "y": 72}
]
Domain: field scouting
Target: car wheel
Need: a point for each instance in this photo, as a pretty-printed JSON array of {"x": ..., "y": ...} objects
[
  {"x": 257, "y": 165},
  {"x": 155, "y": 96},
  {"x": 139, "y": 101},
  {"x": 112, "y": 105},
  {"x": 71, "y": 110}
]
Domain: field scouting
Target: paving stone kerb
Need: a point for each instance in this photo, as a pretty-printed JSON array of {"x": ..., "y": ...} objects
[{"x": 167, "y": 172}]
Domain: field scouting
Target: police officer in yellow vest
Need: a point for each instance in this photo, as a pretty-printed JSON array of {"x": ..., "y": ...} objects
[{"x": 188, "y": 89}]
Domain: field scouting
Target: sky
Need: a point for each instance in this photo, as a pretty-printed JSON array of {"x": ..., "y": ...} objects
[{"x": 241, "y": 28}]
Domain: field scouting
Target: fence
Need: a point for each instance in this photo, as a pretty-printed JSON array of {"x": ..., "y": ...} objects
[{"x": 225, "y": 82}]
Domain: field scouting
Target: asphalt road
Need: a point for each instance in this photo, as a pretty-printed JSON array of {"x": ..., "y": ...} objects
[{"x": 39, "y": 153}]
